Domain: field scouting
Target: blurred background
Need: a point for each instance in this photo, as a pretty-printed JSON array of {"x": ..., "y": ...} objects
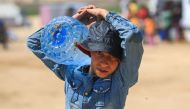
[{"x": 25, "y": 83}]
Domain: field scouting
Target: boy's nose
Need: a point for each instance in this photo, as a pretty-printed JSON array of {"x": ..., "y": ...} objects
[{"x": 104, "y": 65}]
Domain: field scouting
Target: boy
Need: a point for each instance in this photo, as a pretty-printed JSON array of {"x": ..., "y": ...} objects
[{"x": 115, "y": 47}]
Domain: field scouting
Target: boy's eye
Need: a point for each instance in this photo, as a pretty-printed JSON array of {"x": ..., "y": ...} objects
[{"x": 99, "y": 52}]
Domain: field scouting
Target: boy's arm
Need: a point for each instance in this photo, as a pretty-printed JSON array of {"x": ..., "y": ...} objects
[
  {"x": 33, "y": 42},
  {"x": 129, "y": 32},
  {"x": 132, "y": 45}
]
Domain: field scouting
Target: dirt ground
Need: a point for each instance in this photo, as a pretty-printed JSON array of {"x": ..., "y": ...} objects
[{"x": 25, "y": 83}]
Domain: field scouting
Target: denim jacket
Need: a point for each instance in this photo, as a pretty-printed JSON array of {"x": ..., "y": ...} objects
[{"x": 86, "y": 91}]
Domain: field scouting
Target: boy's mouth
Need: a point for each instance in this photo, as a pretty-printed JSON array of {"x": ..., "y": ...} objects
[{"x": 102, "y": 71}]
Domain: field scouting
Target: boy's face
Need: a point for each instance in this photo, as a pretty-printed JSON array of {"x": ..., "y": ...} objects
[{"x": 103, "y": 63}]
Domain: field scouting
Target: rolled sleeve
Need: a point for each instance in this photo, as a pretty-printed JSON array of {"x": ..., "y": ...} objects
[
  {"x": 127, "y": 30},
  {"x": 132, "y": 45},
  {"x": 33, "y": 43}
]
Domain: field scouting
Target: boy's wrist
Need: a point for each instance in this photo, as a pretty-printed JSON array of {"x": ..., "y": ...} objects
[
  {"x": 104, "y": 13},
  {"x": 110, "y": 16}
]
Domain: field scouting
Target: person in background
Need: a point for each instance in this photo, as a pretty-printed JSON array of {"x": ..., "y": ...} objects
[
  {"x": 177, "y": 28},
  {"x": 3, "y": 35},
  {"x": 149, "y": 30},
  {"x": 133, "y": 8},
  {"x": 165, "y": 21}
]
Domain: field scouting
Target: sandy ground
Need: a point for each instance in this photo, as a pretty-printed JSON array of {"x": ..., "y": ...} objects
[{"x": 25, "y": 83}]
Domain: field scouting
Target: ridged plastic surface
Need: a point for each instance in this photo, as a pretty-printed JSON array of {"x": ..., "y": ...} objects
[{"x": 59, "y": 38}]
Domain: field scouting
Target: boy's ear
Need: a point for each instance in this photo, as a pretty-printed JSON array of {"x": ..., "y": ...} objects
[
  {"x": 90, "y": 69},
  {"x": 118, "y": 60}
]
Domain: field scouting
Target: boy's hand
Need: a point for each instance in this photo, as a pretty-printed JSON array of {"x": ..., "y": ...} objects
[
  {"x": 85, "y": 17},
  {"x": 98, "y": 12},
  {"x": 82, "y": 11}
]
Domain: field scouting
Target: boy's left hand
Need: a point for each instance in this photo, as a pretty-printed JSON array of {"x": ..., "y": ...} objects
[
  {"x": 98, "y": 12},
  {"x": 85, "y": 17}
]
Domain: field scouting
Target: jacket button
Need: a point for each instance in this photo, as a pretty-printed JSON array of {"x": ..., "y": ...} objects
[
  {"x": 101, "y": 88},
  {"x": 86, "y": 93}
]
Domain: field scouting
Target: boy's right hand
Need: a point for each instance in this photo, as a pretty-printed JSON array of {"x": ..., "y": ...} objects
[
  {"x": 85, "y": 17},
  {"x": 98, "y": 12}
]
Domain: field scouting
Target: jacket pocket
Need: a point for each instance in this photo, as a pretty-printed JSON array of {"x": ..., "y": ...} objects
[
  {"x": 75, "y": 87},
  {"x": 101, "y": 87},
  {"x": 74, "y": 106}
]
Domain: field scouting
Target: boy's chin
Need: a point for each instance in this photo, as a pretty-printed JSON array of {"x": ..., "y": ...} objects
[{"x": 102, "y": 75}]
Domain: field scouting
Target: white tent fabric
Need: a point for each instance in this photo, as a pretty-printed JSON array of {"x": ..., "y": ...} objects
[{"x": 11, "y": 11}]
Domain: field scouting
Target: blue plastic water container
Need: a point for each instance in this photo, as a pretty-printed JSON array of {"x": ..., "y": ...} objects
[{"x": 59, "y": 38}]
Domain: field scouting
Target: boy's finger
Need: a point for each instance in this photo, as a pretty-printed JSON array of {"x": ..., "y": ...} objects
[
  {"x": 93, "y": 12},
  {"x": 92, "y": 19},
  {"x": 87, "y": 7},
  {"x": 83, "y": 12},
  {"x": 91, "y": 6},
  {"x": 76, "y": 16},
  {"x": 80, "y": 14},
  {"x": 80, "y": 10}
]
